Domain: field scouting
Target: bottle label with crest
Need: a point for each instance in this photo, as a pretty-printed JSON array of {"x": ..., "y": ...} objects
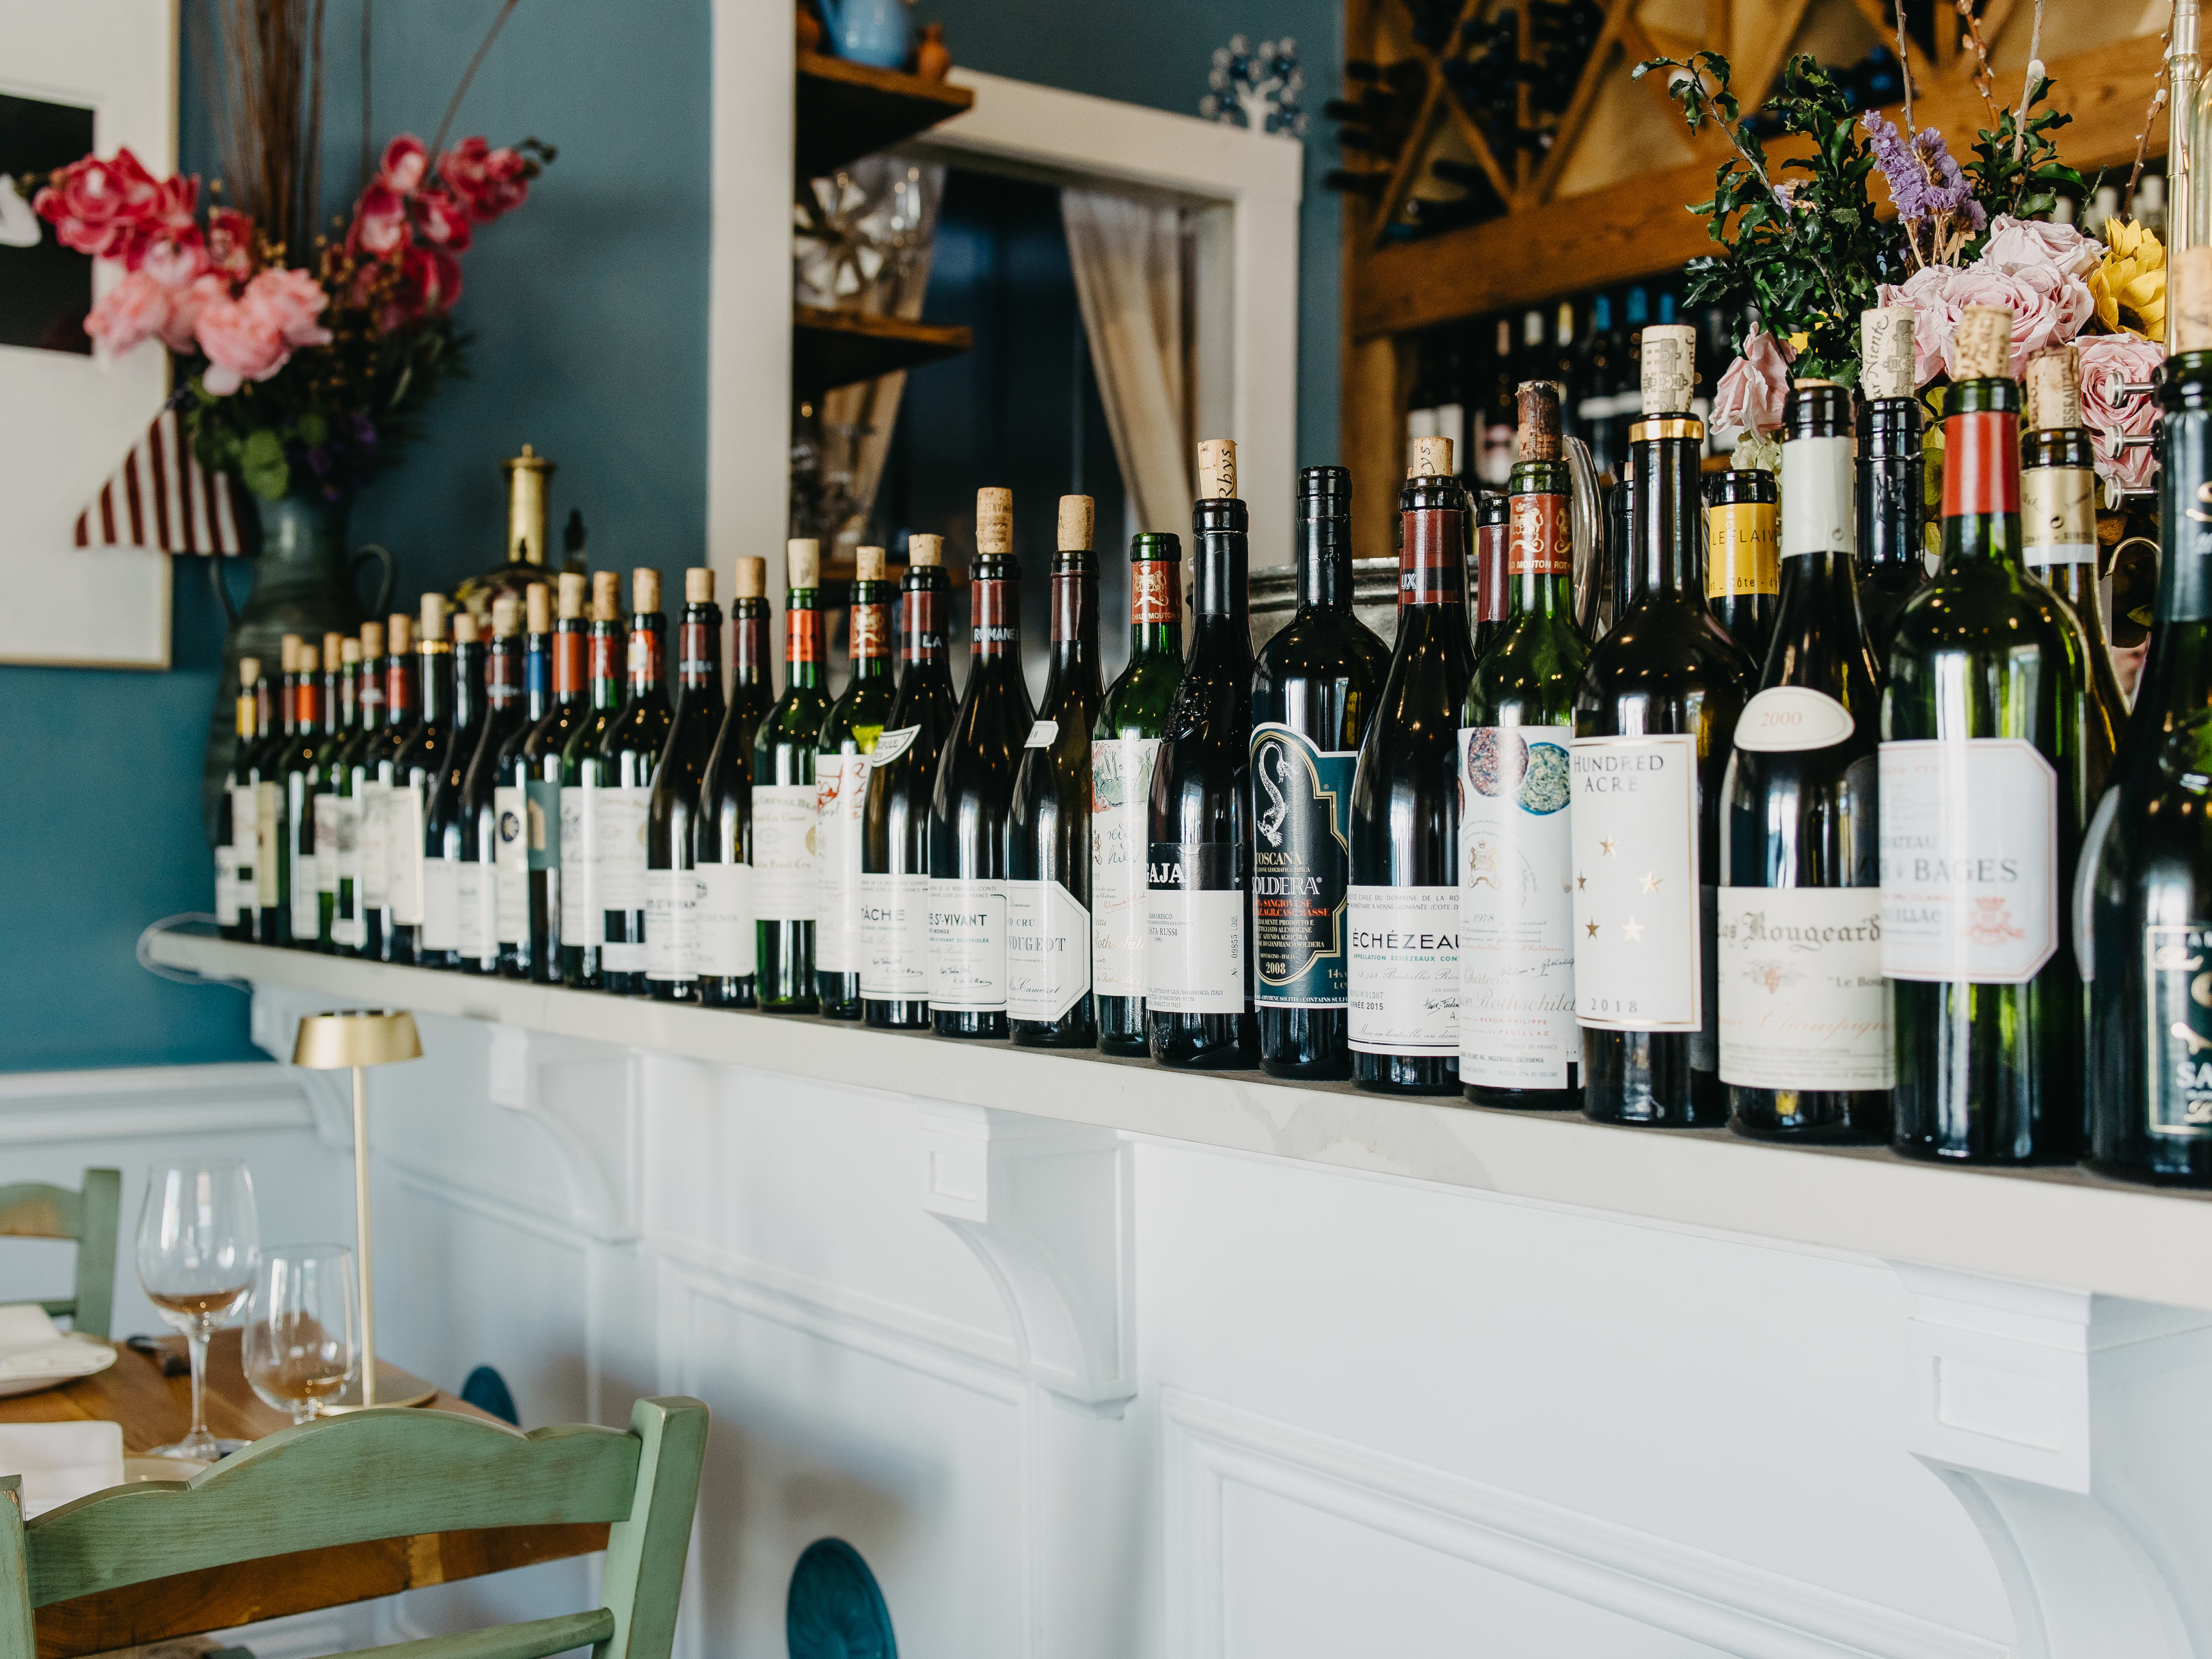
[
  {"x": 787, "y": 881},
  {"x": 1969, "y": 860},
  {"x": 841, "y": 787},
  {"x": 1517, "y": 923},
  {"x": 1047, "y": 950},
  {"x": 1195, "y": 928},
  {"x": 870, "y": 631},
  {"x": 2177, "y": 1020},
  {"x": 510, "y": 817},
  {"x": 1120, "y": 793},
  {"x": 1155, "y": 592},
  {"x": 1640, "y": 958},
  {"x": 1301, "y": 868},
  {"x": 967, "y": 945},
  {"x": 1542, "y": 538},
  {"x": 1802, "y": 1001}
]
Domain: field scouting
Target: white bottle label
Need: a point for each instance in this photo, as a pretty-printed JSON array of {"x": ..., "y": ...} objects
[
  {"x": 1043, "y": 734},
  {"x": 582, "y": 922},
  {"x": 785, "y": 884},
  {"x": 1784, "y": 718},
  {"x": 1120, "y": 793},
  {"x": 2057, "y": 515},
  {"x": 1403, "y": 970},
  {"x": 510, "y": 819},
  {"x": 243, "y": 807},
  {"x": 1639, "y": 960},
  {"x": 1048, "y": 949},
  {"x": 348, "y": 919},
  {"x": 1969, "y": 860},
  {"x": 403, "y": 844},
  {"x": 376, "y": 845},
  {"x": 671, "y": 924},
  {"x": 1802, "y": 1001},
  {"x": 440, "y": 884},
  {"x": 1819, "y": 513},
  {"x": 268, "y": 843},
  {"x": 618, "y": 846},
  {"x": 840, "y": 799},
  {"x": 326, "y": 843},
  {"x": 895, "y": 936},
  {"x": 967, "y": 947},
  {"x": 476, "y": 899},
  {"x": 724, "y": 942},
  {"x": 1516, "y": 914},
  {"x": 893, "y": 744},
  {"x": 226, "y": 884},
  {"x": 307, "y": 922},
  {"x": 1194, "y": 930}
]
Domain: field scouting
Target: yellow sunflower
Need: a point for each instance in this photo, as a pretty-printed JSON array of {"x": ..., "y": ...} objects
[{"x": 2130, "y": 283}]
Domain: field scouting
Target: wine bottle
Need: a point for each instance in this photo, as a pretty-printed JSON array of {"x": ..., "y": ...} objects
[
  {"x": 1314, "y": 689},
  {"x": 506, "y": 717},
  {"x": 1980, "y": 776},
  {"x": 528, "y": 476},
  {"x": 1743, "y": 555},
  {"x": 1892, "y": 499},
  {"x": 336, "y": 853},
  {"x": 1804, "y": 1013},
  {"x": 2058, "y": 531},
  {"x": 1125, "y": 748},
  {"x": 584, "y": 776},
  {"x": 377, "y": 785},
  {"x": 1654, "y": 718},
  {"x": 522, "y": 858},
  {"x": 974, "y": 789},
  {"x": 1491, "y": 605},
  {"x": 1048, "y": 998},
  {"x": 1403, "y": 921},
  {"x": 1198, "y": 954},
  {"x": 364, "y": 656},
  {"x": 271, "y": 831},
  {"x": 443, "y": 810},
  {"x": 234, "y": 853},
  {"x": 849, "y": 732},
  {"x": 301, "y": 769},
  {"x": 787, "y": 879},
  {"x": 1518, "y": 1045},
  {"x": 671, "y": 898},
  {"x": 2144, "y": 903},
  {"x": 628, "y": 754},
  {"x": 725, "y": 938},
  {"x": 895, "y": 822}
]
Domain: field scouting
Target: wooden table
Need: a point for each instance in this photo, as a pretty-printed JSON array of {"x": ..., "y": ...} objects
[{"x": 156, "y": 1410}]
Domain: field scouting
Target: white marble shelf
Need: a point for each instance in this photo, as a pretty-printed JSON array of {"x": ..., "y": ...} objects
[{"x": 2055, "y": 1227}]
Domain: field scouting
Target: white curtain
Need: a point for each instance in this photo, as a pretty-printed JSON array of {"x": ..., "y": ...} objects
[{"x": 1128, "y": 261}]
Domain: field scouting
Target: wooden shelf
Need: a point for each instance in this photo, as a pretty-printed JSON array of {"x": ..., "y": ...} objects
[
  {"x": 846, "y": 111},
  {"x": 831, "y": 348}
]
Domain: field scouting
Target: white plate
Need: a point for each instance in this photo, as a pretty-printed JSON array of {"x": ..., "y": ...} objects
[{"x": 69, "y": 1360}]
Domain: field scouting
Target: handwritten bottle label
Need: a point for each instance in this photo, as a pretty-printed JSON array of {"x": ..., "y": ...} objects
[
  {"x": 1403, "y": 970},
  {"x": 1516, "y": 922},
  {"x": 1969, "y": 860}
]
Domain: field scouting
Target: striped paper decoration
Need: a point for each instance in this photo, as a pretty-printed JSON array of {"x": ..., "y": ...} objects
[{"x": 161, "y": 498}]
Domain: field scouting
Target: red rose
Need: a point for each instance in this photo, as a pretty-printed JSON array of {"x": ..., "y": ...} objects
[
  {"x": 444, "y": 221},
  {"x": 230, "y": 243},
  {"x": 379, "y": 221},
  {"x": 429, "y": 283},
  {"x": 101, "y": 207},
  {"x": 489, "y": 181},
  {"x": 404, "y": 165}
]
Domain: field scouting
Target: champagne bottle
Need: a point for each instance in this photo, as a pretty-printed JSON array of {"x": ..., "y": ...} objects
[
  {"x": 1518, "y": 1045},
  {"x": 628, "y": 754},
  {"x": 1402, "y": 922},
  {"x": 1198, "y": 955},
  {"x": 529, "y": 475},
  {"x": 585, "y": 775},
  {"x": 974, "y": 790},
  {"x": 378, "y": 785},
  {"x": 234, "y": 853},
  {"x": 1048, "y": 998},
  {"x": 506, "y": 715},
  {"x": 787, "y": 879},
  {"x": 672, "y": 895},
  {"x": 1804, "y": 1014},
  {"x": 438, "y": 943},
  {"x": 527, "y": 825},
  {"x": 895, "y": 822},
  {"x": 725, "y": 938},
  {"x": 1493, "y": 605},
  {"x": 1314, "y": 688},
  {"x": 849, "y": 732},
  {"x": 302, "y": 770},
  {"x": 1743, "y": 559},
  {"x": 1124, "y": 750},
  {"x": 1655, "y": 717},
  {"x": 1980, "y": 780},
  {"x": 1892, "y": 499}
]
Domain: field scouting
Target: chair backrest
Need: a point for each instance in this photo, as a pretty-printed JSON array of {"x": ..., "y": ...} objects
[
  {"x": 34, "y": 1210},
  {"x": 392, "y": 1472}
]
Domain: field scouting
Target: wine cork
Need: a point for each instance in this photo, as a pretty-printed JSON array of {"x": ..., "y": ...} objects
[
  {"x": 2189, "y": 298},
  {"x": 1985, "y": 343},
  {"x": 372, "y": 641},
  {"x": 644, "y": 590},
  {"x": 607, "y": 596},
  {"x": 249, "y": 672},
  {"x": 537, "y": 607},
  {"x": 349, "y": 652},
  {"x": 751, "y": 581},
  {"x": 402, "y": 632},
  {"x": 925, "y": 549},
  {"x": 1885, "y": 361},
  {"x": 2054, "y": 389},
  {"x": 1669, "y": 368},
  {"x": 1432, "y": 458},
  {"x": 434, "y": 618},
  {"x": 1217, "y": 470},
  {"x": 994, "y": 523},
  {"x": 506, "y": 616},
  {"x": 464, "y": 628},
  {"x": 1537, "y": 438},
  {"x": 698, "y": 587},
  {"x": 1076, "y": 515},
  {"x": 576, "y": 590},
  {"x": 310, "y": 660},
  {"x": 332, "y": 641},
  {"x": 868, "y": 564},
  {"x": 291, "y": 654},
  {"x": 802, "y": 562}
]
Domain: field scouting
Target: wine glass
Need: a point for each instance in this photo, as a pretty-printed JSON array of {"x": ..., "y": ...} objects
[
  {"x": 300, "y": 1345},
  {"x": 197, "y": 1238}
]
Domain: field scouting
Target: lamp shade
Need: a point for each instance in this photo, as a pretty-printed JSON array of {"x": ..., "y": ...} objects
[{"x": 368, "y": 1036}]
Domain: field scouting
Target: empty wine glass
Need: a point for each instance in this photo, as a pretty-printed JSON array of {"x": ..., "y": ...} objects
[
  {"x": 197, "y": 1238},
  {"x": 300, "y": 1345}
]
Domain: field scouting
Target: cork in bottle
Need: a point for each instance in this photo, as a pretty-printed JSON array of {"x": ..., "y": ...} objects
[
  {"x": 925, "y": 549},
  {"x": 537, "y": 608},
  {"x": 1537, "y": 436},
  {"x": 1885, "y": 361},
  {"x": 1668, "y": 368},
  {"x": 751, "y": 581},
  {"x": 372, "y": 641},
  {"x": 607, "y": 596},
  {"x": 994, "y": 523},
  {"x": 2054, "y": 389},
  {"x": 1078, "y": 514},
  {"x": 698, "y": 586},
  {"x": 644, "y": 590},
  {"x": 1985, "y": 343},
  {"x": 1217, "y": 470},
  {"x": 868, "y": 564}
]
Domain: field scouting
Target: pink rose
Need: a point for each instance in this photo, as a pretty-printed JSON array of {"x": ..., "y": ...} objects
[
  {"x": 2017, "y": 245},
  {"x": 488, "y": 182},
  {"x": 404, "y": 163},
  {"x": 230, "y": 243},
  {"x": 379, "y": 221},
  {"x": 181, "y": 332},
  {"x": 98, "y": 207},
  {"x": 1933, "y": 320},
  {"x": 175, "y": 259},
  {"x": 445, "y": 221},
  {"x": 2108, "y": 362},
  {"x": 242, "y": 341},
  {"x": 289, "y": 301},
  {"x": 1753, "y": 392},
  {"x": 136, "y": 309}
]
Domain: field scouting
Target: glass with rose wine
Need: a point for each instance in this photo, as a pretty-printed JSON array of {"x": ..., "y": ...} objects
[
  {"x": 300, "y": 1347},
  {"x": 198, "y": 1238}
]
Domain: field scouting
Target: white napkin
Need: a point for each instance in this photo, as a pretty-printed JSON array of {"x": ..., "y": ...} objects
[
  {"x": 61, "y": 1462},
  {"x": 30, "y": 1346}
]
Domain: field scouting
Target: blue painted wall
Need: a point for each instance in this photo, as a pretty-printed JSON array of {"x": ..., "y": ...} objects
[{"x": 589, "y": 306}]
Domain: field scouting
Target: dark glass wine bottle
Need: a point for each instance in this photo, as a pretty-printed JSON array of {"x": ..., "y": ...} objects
[
  {"x": 338, "y": 831},
  {"x": 786, "y": 797},
  {"x": 445, "y": 813},
  {"x": 301, "y": 769},
  {"x": 725, "y": 936},
  {"x": 1048, "y": 998},
  {"x": 628, "y": 754},
  {"x": 234, "y": 853},
  {"x": 1804, "y": 1013},
  {"x": 506, "y": 715},
  {"x": 1892, "y": 487},
  {"x": 1493, "y": 603},
  {"x": 752, "y": 686},
  {"x": 338, "y": 709},
  {"x": 272, "y": 826},
  {"x": 1125, "y": 747},
  {"x": 1655, "y": 718},
  {"x": 1980, "y": 780},
  {"x": 1402, "y": 922},
  {"x": 902, "y": 778},
  {"x": 378, "y": 786},
  {"x": 1314, "y": 688},
  {"x": 526, "y": 831},
  {"x": 974, "y": 790},
  {"x": 1198, "y": 954},
  {"x": 585, "y": 775},
  {"x": 672, "y": 895},
  {"x": 1743, "y": 555},
  {"x": 849, "y": 731},
  {"x": 1518, "y": 1045},
  {"x": 2145, "y": 901}
]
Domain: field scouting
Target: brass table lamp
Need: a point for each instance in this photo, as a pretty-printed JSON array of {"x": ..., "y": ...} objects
[{"x": 357, "y": 1040}]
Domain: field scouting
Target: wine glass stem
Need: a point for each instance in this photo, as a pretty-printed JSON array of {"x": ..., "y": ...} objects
[{"x": 197, "y": 1340}]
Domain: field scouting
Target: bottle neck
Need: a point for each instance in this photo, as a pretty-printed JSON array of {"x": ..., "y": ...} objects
[
  {"x": 468, "y": 685},
  {"x": 368, "y": 692},
  {"x": 802, "y": 638},
  {"x": 1892, "y": 503},
  {"x": 699, "y": 651},
  {"x": 748, "y": 643},
  {"x": 1220, "y": 595},
  {"x": 1981, "y": 472},
  {"x": 1324, "y": 562},
  {"x": 307, "y": 702},
  {"x": 265, "y": 707},
  {"x": 330, "y": 704},
  {"x": 1669, "y": 510},
  {"x": 1156, "y": 608},
  {"x": 401, "y": 697},
  {"x": 870, "y": 624},
  {"x": 348, "y": 689},
  {"x": 504, "y": 674},
  {"x": 647, "y": 658},
  {"x": 434, "y": 684},
  {"x": 1432, "y": 544},
  {"x": 248, "y": 719},
  {"x": 2058, "y": 507},
  {"x": 1074, "y": 620},
  {"x": 925, "y": 601},
  {"x": 572, "y": 644},
  {"x": 994, "y": 610},
  {"x": 537, "y": 675},
  {"x": 2184, "y": 498},
  {"x": 291, "y": 705},
  {"x": 1540, "y": 545}
]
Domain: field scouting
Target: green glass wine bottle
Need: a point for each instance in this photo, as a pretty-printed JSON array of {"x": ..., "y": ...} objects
[
  {"x": 584, "y": 774},
  {"x": 849, "y": 731},
  {"x": 787, "y": 881}
]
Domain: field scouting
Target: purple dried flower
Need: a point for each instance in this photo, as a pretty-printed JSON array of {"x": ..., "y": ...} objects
[
  {"x": 1786, "y": 193},
  {"x": 1925, "y": 178}
]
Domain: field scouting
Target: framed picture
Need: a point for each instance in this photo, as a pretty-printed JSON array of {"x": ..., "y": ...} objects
[{"x": 90, "y": 74}]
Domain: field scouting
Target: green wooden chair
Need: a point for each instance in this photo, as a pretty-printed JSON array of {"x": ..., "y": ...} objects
[
  {"x": 391, "y": 1472},
  {"x": 34, "y": 1210}
]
